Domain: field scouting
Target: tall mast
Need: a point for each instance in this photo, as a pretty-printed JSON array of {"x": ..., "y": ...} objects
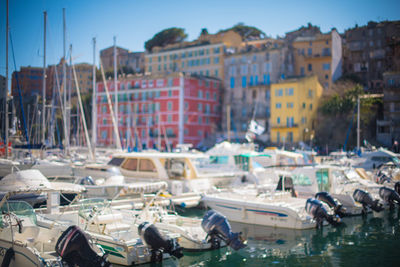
[
  {"x": 115, "y": 84},
  {"x": 94, "y": 106},
  {"x": 44, "y": 81},
  {"x": 64, "y": 88},
  {"x": 6, "y": 92}
]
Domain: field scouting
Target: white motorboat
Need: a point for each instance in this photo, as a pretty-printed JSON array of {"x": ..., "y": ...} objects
[
  {"x": 185, "y": 173},
  {"x": 274, "y": 208},
  {"x": 111, "y": 230},
  {"x": 32, "y": 181},
  {"x": 24, "y": 243}
]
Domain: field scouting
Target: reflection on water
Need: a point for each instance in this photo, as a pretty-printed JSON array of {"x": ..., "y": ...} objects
[{"x": 369, "y": 241}]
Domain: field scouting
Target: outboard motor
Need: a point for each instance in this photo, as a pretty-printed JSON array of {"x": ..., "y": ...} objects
[
  {"x": 337, "y": 207},
  {"x": 390, "y": 196},
  {"x": 88, "y": 180},
  {"x": 158, "y": 243},
  {"x": 218, "y": 228},
  {"x": 315, "y": 208},
  {"x": 366, "y": 200},
  {"x": 382, "y": 178},
  {"x": 397, "y": 187},
  {"x": 74, "y": 248}
]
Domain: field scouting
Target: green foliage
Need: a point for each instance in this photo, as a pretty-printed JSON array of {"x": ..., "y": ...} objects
[
  {"x": 344, "y": 104},
  {"x": 246, "y": 31},
  {"x": 337, "y": 115},
  {"x": 165, "y": 37}
]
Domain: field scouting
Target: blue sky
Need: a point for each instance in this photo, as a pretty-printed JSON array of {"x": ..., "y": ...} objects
[{"x": 133, "y": 22}]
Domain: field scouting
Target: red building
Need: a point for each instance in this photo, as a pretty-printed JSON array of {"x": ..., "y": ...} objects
[{"x": 156, "y": 110}]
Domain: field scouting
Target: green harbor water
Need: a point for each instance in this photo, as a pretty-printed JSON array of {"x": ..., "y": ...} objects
[{"x": 360, "y": 241}]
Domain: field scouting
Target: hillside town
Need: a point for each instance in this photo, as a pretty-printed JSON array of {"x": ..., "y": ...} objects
[{"x": 208, "y": 90}]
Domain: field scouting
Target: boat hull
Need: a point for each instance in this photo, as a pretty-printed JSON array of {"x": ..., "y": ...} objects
[{"x": 258, "y": 213}]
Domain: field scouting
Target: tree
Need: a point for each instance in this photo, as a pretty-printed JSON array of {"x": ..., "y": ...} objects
[
  {"x": 246, "y": 31},
  {"x": 165, "y": 37},
  {"x": 337, "y": 116}
]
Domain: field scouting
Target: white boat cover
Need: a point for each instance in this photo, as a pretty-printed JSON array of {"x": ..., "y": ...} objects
[{"x": 33, "y": 181}]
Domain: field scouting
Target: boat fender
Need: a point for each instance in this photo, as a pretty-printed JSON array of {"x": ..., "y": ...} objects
[{"x": 8, "y": 257}]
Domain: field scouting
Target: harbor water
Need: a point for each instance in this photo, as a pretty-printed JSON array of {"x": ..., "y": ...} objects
[{"x": 360, "y": 241}]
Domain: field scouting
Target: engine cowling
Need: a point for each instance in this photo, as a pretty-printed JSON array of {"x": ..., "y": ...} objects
[
  {"x": 332, "y": 203},
  {"x": 158, "y": 243},
  {"x": 397, "y": 187},
  {"x": 73, "y": 247},
  {"x": 217, "y": 227},
  {"x": 366, "y": 200},
  {"x": 389, "y": 195},
  {"x": 315, "y": 208}
]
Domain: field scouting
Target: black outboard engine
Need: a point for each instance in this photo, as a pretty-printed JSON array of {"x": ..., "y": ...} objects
[
  {"x": 158, "y": 243},
  {"x": 315, "y": 208},
  {"x": 390, "y": 196},
  {"x": 74, "y": 248},
  {"x": 337, "y": 207},
  {"x": 397, "y": 187},
  {"x": 218, "y": 228},
  {"x": 366, "y": 200}
]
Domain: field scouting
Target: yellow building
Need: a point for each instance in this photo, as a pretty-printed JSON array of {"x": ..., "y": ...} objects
[
  {"x": 294, "y": 104},
  {"x": 320, "y": 54},
  {"x": 204, "y": 56}
]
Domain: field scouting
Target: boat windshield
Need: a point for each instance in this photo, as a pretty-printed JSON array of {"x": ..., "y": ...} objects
[
  {"x": 116, "y": 161},
  {"x": 20, "y": 208},
  {"x": 114, "y": 171}
]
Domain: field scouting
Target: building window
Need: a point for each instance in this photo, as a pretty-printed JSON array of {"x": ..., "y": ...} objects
[
  {"x": 200, "y": 94},
  {"x": 302, "y": 71},
  {"x": 200, "y": 120},
  {"x": 267, "y": 95},
  {"x": 207, "y": 95},
  {"x": 169, "y": 104},
  {"x": 278, "y": 120},
  {"x": 309, "y": 67},
  {"x": 310, "y": 93},
  {"x": 310, "y": 106},
  {"x": 278, "y": 105},
  {"x": 215, "y": 96},
  {"x": 326, "y": 76},
  {"x": 169, "y": 118},
  {"x": 216, "y": 73},
  {"x": 289, "y": 105},
  {"x": 304, "y": 105},
  {"x": 199, "y": 107},
  {"x": 309, "y": 51},
  {"x": 278, "y": 137},
  {"x": 326, "y": 66},
  {"x": 244, "y": 81}
]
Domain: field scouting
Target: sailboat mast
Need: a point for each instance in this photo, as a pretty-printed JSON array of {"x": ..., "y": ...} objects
[
  {"x": 6, "y": 92},
  {"x": 115, "y": 84},
  {"x": 94, "y": 106},
  {"x": 44, "y": 80},
  {"x": 64, "y": 88}
]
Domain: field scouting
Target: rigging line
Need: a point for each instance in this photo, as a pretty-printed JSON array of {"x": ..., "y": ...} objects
[{"x": 20, "y": 95}]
